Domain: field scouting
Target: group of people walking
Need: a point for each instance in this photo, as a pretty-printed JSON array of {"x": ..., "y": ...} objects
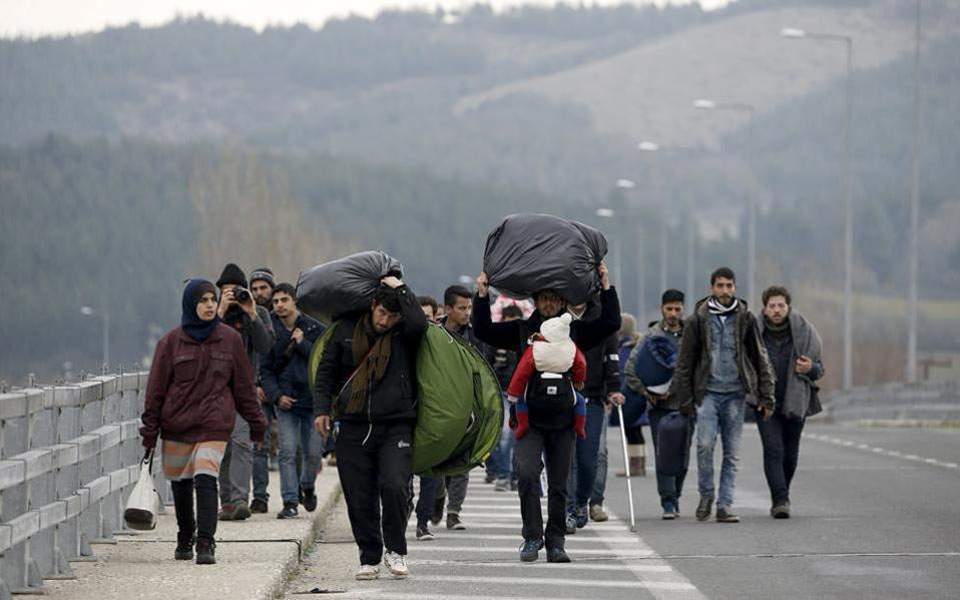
[{"x": 239, "y": 361}]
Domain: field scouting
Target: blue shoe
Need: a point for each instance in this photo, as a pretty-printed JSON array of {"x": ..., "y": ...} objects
[
  {"x": 669, "y": 511},
  {"x": 530, "y": 550}
]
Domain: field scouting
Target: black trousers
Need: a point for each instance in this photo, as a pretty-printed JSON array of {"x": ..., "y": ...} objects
[
  {"x": 558, "y": 448},
  {"x": 781, "y": 451},
  {"x": 205, "y": 523},
  {"x": 374, "y": 463}
]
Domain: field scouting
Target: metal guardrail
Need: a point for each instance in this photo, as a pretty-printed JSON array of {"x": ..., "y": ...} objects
[
  {"x": 69, "y": 457},
  {"x": 926, "y": 400}
]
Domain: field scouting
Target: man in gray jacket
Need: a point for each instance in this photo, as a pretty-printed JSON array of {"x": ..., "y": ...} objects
[
  {"x": 239, "y": 311},
  {"x": 721, "y": 362},
  {"x": 794, "y": 347},
  {"x": 669, "y": 326}
]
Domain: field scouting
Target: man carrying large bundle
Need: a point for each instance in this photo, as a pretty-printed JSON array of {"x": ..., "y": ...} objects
[
  {"x": 530, "y": 250},
  {"x": 366, "y": 378}
]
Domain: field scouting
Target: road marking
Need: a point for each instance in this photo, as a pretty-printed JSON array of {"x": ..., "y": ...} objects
[
  {"x": 575, "y": 539},
  {"x": 579, "y": 566},
  {"x": 877, "y": 450},
  {"x": 387, "y": 594},
  {"x": 545, "y": 582},
  {"x": 612, "y": 553}
]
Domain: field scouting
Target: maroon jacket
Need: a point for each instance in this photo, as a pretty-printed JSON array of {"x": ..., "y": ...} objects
[{"x": 196, "y": 389}]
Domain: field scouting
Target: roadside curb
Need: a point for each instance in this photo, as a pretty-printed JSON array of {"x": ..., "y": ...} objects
[{"x": 308, "y": 539}]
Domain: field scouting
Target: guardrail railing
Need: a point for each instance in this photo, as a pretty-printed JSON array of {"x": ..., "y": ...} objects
[{"x": 69, "y": 457}]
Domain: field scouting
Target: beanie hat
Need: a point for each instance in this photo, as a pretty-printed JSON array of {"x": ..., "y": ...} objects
[
  {"x": 263, "y": 274},
  {"x": 557, "y": 329},
  {"x": 232, "y": 274}
]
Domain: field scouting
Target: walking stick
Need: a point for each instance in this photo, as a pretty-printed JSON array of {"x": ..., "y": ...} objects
[{"x": 626, "y": 467}]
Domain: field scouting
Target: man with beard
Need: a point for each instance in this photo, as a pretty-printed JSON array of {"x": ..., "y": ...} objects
[
  {"x": 262, "y": 283},
  {"x": 366, "y": 380},
  {"x": 721, "y": 361},
  {"x": 794, "y": 346},
  {"x": 669, "y": 326},
  {"x": 239, "y": 311}
]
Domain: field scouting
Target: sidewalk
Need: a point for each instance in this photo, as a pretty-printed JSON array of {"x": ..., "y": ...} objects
[{"x": 254, "y": 557}]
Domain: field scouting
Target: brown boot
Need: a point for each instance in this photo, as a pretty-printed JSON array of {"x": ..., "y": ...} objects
[{"x": 635, "y": 454}]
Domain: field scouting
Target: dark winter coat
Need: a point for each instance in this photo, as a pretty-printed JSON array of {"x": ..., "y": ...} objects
[
  {"x": 283, "y": 370},
  {"x": 195, "y": 390}
]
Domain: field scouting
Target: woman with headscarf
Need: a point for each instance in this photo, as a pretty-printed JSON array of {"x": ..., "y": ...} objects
[{"x": 199, "y": 380}]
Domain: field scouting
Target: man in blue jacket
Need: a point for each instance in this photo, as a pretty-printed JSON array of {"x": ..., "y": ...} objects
[{"x": 283, "y": 374}]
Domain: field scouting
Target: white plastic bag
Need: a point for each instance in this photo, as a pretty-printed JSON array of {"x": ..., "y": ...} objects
[{"x": 144, "y": 502}]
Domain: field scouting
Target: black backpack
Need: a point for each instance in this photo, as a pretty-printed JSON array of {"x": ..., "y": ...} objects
[{"x": 550, "y": 400}]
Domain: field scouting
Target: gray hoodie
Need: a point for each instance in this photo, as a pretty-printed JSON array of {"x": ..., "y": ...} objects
[{"x": 796, "y": 401}]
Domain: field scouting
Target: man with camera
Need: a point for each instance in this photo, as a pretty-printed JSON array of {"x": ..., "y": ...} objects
[{"x": 239, "y": 311}]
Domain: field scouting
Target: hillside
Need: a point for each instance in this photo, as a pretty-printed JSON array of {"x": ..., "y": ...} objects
[{"x": 647, "y": 92}]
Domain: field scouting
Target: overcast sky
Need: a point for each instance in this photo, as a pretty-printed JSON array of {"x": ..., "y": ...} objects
[{"x": 38, "y": 17}]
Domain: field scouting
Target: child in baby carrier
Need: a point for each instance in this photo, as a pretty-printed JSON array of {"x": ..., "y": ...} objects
[{"x": 547, "y": 413}]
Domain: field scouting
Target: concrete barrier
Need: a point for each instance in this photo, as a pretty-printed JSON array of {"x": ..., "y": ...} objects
[
  {"x": 69, "y": 457},
  {"x": 933, "y": 400}
]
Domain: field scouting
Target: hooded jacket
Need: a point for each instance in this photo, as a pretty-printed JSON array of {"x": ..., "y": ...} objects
[{"x": 694, "y": 361}]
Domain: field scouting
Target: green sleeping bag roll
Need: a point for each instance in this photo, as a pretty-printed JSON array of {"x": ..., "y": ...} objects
[{"x": 460, "y": 413}]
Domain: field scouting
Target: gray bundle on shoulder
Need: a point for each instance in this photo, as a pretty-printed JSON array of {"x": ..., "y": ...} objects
[{"x": 337, "y": 288}]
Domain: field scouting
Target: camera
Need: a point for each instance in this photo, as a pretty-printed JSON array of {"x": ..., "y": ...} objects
[{"x": 241, "y": 295}]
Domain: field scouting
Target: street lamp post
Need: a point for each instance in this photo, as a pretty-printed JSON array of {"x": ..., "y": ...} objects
[
  {"x": 105, "y": 332},
  {"x": 652, "y": 148},
  {"x": 792, "y": 33},
  {"x": 914, "y": 248},
  {"x": 705, "y": 104},
  {"x": 609, "y": 213}
]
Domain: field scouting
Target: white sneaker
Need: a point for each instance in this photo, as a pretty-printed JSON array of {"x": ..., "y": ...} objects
[
  {"x": 367, "y": 572},
  {"x": 397, "y": 563}
]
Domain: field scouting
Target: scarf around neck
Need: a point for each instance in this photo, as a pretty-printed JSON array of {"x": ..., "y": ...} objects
[
  {"x": 715, "y": 308},
  {"x": 777, "y": 330},
  {"x": 371, "y": 361}
]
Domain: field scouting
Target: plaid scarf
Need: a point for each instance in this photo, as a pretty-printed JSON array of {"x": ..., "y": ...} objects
[{"x": 371, "y": 361}]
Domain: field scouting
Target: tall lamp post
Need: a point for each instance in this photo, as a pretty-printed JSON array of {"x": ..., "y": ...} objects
[
  {"x": 652, "y": 148},
  {"x": 914, "y": 248},
  {"x": 847, "y": 41},
  {"x": 609, "y": 213},
  {"x": 750, "y": 110},
  {"x": 105, "y": 321}
]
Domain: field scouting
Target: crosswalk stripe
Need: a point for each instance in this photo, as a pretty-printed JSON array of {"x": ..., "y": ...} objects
[
  {"x": 574, "y": 539},
  {"x": 552, "y": 582},
  {"x": 613, "y": 553},
  {"x": 566, "y": 568}
]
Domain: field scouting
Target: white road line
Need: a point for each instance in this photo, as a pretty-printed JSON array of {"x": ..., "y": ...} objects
[
  {"x": 877, "y": 450},
  {"x": 545, "y": 582},
  {"x": 512, "y": 550},
  {"x": 384, "y": 594},
  {"x": 577, "y": 566},
  {"x": 574, "y": 539}
]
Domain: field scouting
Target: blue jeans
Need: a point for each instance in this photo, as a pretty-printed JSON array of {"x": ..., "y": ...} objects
[
  {"x": 296, "y": 431},
  {"x": 723, "y": 414},
  {"x": 501, "y": 459},
  {"x": 583, "y": 471},
  {"x": 600, "y": 485}
]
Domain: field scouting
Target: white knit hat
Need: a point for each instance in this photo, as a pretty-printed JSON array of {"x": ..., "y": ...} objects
[{"x": 557, "y": 329}]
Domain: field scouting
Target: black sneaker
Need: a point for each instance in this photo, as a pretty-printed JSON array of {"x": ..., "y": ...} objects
[
  {"x": 308, "y": 498},
  {"x": 724, "y": 515},
  {"x": 423, "y": 533},
  {"x": 242, "y": 513},
  {"x": 206, "y": 552},
  {"x": 289, "y": 511},
  {"x": 704, "y": 508},
  {"x": 557, "y": 555},
  {"x": 258, "y": 506},
  {"x": 530, "y": 550},
  {"x": 185, "y": 542},
  {"x": 454, "y": 522},
  {"x": 490, "y": 478},
  {"x": 780, "y": 511}
]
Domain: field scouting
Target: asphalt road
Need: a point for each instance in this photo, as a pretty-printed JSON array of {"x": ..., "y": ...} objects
[{"x": 875, "y": 516}]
